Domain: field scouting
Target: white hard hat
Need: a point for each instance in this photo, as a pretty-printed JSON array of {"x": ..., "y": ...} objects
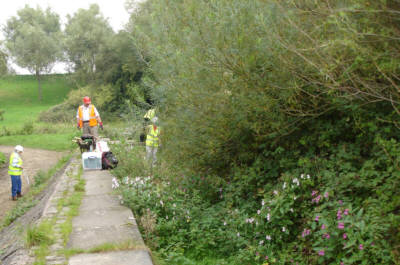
[
  {"x": 154, "y": 120},
  {"x": 19, "y": 148}
]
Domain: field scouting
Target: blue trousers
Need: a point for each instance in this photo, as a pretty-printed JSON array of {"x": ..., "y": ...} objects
[{"x": 15, "y": 185}]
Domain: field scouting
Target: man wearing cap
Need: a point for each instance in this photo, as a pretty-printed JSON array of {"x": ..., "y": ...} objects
[
  {"x": 88, "y": 118},
  {"x": 15, "y": 171}
]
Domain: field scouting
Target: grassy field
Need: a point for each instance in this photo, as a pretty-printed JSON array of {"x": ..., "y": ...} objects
[{"x": 20, "y": 103}]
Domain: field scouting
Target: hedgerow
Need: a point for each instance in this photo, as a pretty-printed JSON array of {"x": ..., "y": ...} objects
[{"x": 280, "y": 140}]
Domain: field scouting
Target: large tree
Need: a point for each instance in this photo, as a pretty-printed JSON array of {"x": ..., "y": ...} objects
[
  {"x": 87, "y": 32},
  {"x": 33, "y": 38}
]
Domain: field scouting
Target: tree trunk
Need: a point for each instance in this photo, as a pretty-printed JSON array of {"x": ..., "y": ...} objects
[{"x": 39, "y": 86}]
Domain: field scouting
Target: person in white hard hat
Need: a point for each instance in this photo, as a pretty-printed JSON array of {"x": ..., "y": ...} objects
[
  {"x": 15, "y": 171},
  {"x": 152, "y": 141}
]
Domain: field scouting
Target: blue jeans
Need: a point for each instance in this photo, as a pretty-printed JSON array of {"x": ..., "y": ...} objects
[{"x": 15, "y": 185}]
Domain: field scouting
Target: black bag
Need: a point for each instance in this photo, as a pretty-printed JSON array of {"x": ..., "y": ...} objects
[
  {"x": 142, "y": 137},
  {"x": 108, "y": 160}
]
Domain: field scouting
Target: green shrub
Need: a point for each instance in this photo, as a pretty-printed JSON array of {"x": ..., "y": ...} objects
[
  {"x": 252, "y": 95},
  {"x": 40, "y": 234}
]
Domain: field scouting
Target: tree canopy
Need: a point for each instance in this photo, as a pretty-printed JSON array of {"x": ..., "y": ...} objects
[
  {"x": 33, "y": 38},
  {"x": 87, "y": 32}
]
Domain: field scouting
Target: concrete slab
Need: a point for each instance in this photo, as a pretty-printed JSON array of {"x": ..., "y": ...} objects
[
  {"x": 90, "y": 238},
  {"x": 96, "y": 174},
  {"x": 99, "y": 201},
  {"x": 98, "y": 186},
  {"x": 104, "y": 218},
  {"x": 133, "y": 257}
]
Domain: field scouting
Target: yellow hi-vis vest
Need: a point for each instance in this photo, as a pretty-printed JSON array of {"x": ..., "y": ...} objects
[
  {"x": 152, "y": 138},
  {"x": 150, "y": 114},
  {"x": 15, "y": 159},
  {"x": 92, "y": 116}
]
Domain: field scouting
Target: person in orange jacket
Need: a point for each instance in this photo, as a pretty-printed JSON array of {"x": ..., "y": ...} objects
[{"x": 88, "y": 118}]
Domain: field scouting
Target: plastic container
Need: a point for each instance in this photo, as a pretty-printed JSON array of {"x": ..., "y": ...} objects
[
  {"x": 91, "y": 160},
  {"x": 102, "y": 146}
]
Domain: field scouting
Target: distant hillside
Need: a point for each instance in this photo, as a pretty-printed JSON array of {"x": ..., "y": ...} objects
[{"x": 19, "y": 96}]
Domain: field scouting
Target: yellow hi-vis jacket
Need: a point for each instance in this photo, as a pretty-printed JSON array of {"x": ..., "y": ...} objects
[
  {"x": 150, "y": 114},
  {"x": 15, "y": 165},
  {"x": 152, "y": 138},
  {"x": 92, "y": 115}
]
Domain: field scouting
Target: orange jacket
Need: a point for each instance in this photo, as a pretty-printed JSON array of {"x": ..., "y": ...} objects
[{"x": 92, "y": 115}]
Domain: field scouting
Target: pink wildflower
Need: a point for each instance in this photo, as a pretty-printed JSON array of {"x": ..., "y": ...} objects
[
  {"x": 266, "y": 257},
  {"x": 339, "y": 214},
  {"x": 326, "y": 194},
  {"x": 342, "y": 263},
  {"x": 316, "y": 218},
  {"x": 341, "y": 225},
  {"x": 323, "y": 226},
  {"x": 321, "y": 252},
  {"x": 360, "y": 247},
  {"x": 340, "y": 202},
  {"x": 317, "y": 199},
  {"x": 327, "y": 236},
  {"x": 346, "y": 212},
  {"x": 344, "y": 236},
  {"x": 314, "y": 192}
]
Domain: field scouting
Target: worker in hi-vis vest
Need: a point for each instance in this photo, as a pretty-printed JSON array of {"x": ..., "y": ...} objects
[
  {"x": 15, "y": 171},
  {"x": 88, "y": 118},
  {"x": 150, "y": 114},
  {"x": 152, "y": 141}
]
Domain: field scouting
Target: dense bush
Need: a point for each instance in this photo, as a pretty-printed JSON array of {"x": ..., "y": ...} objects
[{"x": 255, "y": 96}]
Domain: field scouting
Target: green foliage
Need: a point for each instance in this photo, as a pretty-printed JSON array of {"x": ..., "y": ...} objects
[
  {"x": 87, "y": 32},
  {"x": 40, "y": 234},
  {"x": 253, "y": 95}
]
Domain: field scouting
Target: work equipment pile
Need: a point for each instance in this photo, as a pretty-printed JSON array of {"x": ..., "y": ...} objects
[{"x": 95, "y": 153}]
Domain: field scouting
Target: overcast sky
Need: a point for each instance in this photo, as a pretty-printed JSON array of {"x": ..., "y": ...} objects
[{"x": 114, "y": 10}]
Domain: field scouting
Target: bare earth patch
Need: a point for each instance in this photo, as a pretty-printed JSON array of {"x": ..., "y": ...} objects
[{"x": 35, "y": 160}]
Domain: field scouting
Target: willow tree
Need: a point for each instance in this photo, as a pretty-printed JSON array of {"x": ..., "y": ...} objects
[
  {"x": 33, "y": 39},
  {"x": 86, "y": 33}
]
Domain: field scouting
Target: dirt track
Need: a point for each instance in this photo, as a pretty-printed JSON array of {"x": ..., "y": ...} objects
[{"x": 34, "y": 161}]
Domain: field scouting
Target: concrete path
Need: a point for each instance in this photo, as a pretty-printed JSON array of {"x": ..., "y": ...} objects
[{"x": 102, "y": 221}]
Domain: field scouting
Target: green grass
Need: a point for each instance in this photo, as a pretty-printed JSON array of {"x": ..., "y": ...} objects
[
  {"x": 40, "y": 234},
  {"x": 73, "y": 202},
  {"x": 55, "y": 142},
  {"x": 21, "y": 106},
  {"x": 19, "y": 97}
]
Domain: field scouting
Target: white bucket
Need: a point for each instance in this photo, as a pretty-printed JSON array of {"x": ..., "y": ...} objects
[{"x": 91, "y": 160}]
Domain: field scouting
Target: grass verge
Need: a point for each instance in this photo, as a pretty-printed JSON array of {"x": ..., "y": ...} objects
[
  {"x": 29, "y": 200},
  {"x": 72, "y": 201}
]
